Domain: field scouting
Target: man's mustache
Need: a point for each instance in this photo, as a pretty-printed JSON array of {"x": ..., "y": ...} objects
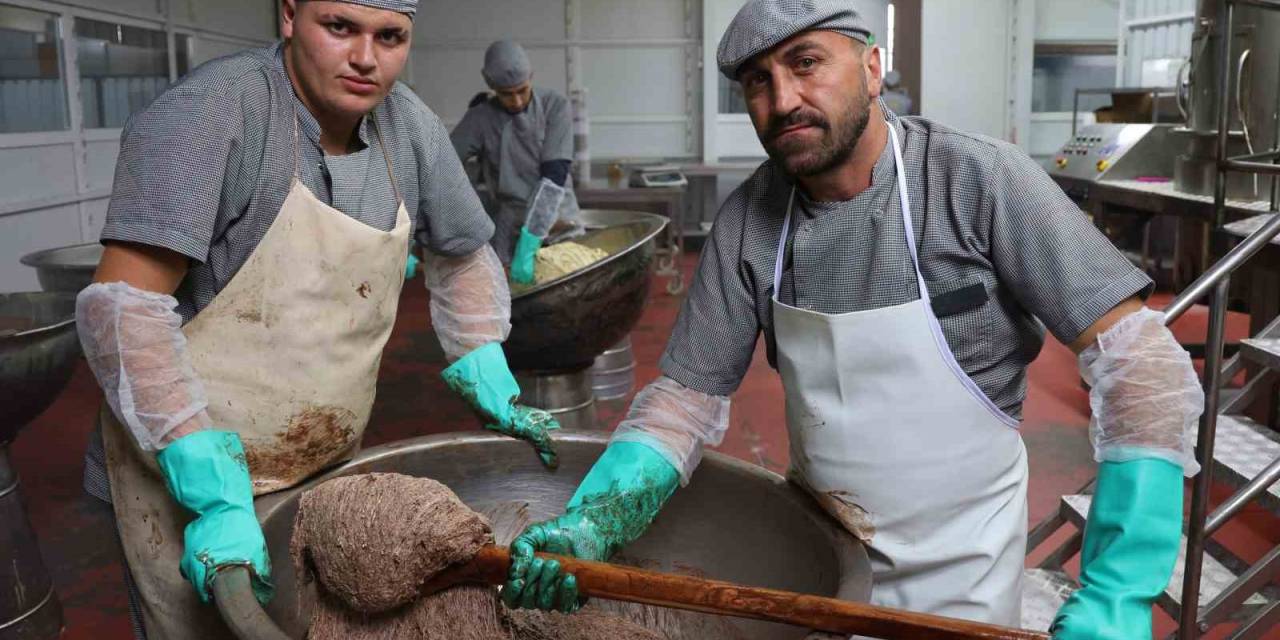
[{"x": 795, "y": 119}]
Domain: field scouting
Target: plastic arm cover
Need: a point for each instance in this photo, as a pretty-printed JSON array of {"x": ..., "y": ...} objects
[
  {"x": 470, "y": 301},
  {"x": 134, "y": 344},
  {"x": 1146, "y": 397},
  {"x": 544, "y": 208},
  {"x": 675, "y": 421}
]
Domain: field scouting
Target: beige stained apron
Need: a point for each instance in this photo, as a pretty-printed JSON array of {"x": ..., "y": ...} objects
[{"x": 288, "y": 353}]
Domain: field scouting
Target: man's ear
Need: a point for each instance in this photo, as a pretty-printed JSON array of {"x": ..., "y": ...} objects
[
  {"x": 875, "y": 72},
  {"x": 288, "y": 13}
]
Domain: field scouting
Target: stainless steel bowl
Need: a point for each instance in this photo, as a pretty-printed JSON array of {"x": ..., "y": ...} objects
[
  {"x": 563, "y": 324},
  {"x": 735, "y": 522},
  {"x": 65, "y": 268},
  {"x": 38, "y": 350}
]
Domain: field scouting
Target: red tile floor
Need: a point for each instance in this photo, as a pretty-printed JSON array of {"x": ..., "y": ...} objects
[{"x": 81, "y": 552}]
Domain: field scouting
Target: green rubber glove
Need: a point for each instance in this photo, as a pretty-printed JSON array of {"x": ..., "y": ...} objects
[
  {"x": 522, "y": 262},
  {"x": 410, "y": 266},
  {"x": 206, "y": 472},
  {"x": 1131, "y": 543},
  {"x": 483, "y": 379},
  {"x": 612, "y": 507}
]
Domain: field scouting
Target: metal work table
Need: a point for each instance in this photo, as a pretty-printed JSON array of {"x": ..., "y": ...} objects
[
  {"x": 703, "y": 187},
  {"x": 664, "y": 201},
  {"x": 1155, "y": 198},
  {"x": 1194, "y": 213}
]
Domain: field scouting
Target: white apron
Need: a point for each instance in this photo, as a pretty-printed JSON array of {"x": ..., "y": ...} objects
[
  {"x": 903, "y": 448},
  {"x": 288, "y": 353}
]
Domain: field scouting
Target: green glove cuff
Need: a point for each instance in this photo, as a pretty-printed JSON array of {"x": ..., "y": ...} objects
[
  {"x": 523, "y": 260},
  {"x": 484, "y": 380},
  {"x": 628, "y": 467},
  {"x": 207, "y": 473},
  {"x": 410, "y": 266},
  {"x": 622, "y": 494},
  {"x": 1131, "y": 543}
]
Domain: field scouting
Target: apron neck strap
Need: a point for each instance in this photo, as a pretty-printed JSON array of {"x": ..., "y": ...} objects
[
  {"x": 782, "y": 244},
  {"x": 907, "y": 223}
]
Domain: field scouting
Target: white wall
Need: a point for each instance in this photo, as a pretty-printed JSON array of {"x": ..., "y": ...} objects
[
  {"x": 1153, "y": 30},
  {"x": 637, "y": 61},
  {"x": 55, "y": 185},
  {"x": 978, "y": 78},
  {"x": 965, "y": 64},
  {"x": 1077, "y": 20}
]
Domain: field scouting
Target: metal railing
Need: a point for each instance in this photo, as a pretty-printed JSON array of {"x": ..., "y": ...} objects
[{"x": 1216, "y": 282}]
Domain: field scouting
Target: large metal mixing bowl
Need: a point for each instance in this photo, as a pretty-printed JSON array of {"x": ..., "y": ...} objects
[
  {"x": 735, "y": 522},
  {"x": 65, "y": 268},
  {"x": 563, "y": 324},
  {"x": 38, "y": 349}
]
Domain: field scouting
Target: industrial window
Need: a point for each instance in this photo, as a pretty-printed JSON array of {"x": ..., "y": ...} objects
[
  {"x": 122, "y": 69},
  {"x": 731, "y": 98},
  {"x": 1060, "y": 69},
  {"x": 890, "y": 12},
  {"x": 33, "y": 96}
]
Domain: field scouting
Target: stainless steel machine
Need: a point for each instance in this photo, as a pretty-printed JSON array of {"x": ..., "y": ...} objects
[
  {"x": 1253, "y": 100},
  {"x": 1162, "y": 177},
  {"x": 1185, "y": 153},
  {"x": 38, "y": 351},
  {"x": 1116, "y": 151}
]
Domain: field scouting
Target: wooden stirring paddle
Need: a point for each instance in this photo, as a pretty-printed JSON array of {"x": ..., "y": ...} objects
[{"x": 628, "y": 584}]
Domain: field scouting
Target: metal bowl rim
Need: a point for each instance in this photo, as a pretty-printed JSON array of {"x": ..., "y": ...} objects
[
  {"x": 269, "y": 503},
  {"x": 662, "y": 224},
  {"x": 49, "y": 328},
  {"x": 36, "y": 260}
]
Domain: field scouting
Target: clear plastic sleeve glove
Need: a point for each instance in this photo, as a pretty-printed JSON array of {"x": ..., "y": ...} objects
[
  {"x": 1146, "y": 397},
  {"x": 207, "y": 473},
  {"x": 470, "y": 301},
  {"x": 675, "y": 421},
  {"x": 484, "y": 381},
  {"x": 544, "y": 208},
  {"x": 134, "y": 344},
  {"x": 569, "y": 223},
  {"x": 613, "y": 506}
]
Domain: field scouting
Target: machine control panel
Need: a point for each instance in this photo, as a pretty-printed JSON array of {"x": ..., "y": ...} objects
[{"x": 1097, "y": 148}]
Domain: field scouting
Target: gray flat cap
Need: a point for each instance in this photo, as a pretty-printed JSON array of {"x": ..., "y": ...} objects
[
  {"x": 506, "y": 65},
  {"x": 407, "y": 7},
  {"x": 762, "y": 24}
]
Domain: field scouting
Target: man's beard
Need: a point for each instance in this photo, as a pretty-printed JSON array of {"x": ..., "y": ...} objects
[{"x": 804, "y": 158}]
